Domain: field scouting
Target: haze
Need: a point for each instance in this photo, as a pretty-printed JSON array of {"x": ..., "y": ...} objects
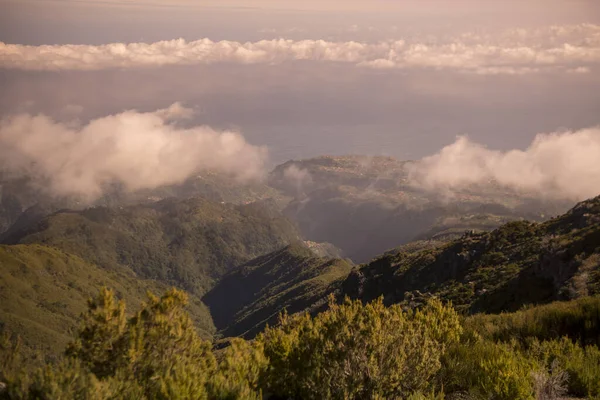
[{"x": 298, "y": 79}]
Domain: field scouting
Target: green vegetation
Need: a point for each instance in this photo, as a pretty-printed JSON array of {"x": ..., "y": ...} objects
[
  {"x": 556, "y": 342},
  {"x": 388, "y": 331},
  {"x": 293, "y": 278},
  {"x": 156, "y": 354},
  {"x": 519, "y": 263},
  {"x": 579, "y": 320},
  {"x": 187, "y": 243},
  {"x": 351, "y": 351},
  {"x": 359, "y": 352},
  {"x": 43, "y": 291},
  {"x": 22, "y": 196}
]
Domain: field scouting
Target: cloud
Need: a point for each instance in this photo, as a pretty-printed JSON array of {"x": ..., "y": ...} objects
[
  {"x": 579, "y": 70},
  {"x": 299, "y": 178},
  {"x": 175, "y": 111},
  {"x": 512, "y": 52},
  {"x": 556, "y": 165},
  {"x": 137, "y": 150}
]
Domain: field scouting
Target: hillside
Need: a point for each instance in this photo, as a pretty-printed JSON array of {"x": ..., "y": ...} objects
[
  {"x": 18, "y": 195},
  {"x": 519, "y": 263},
  {"x": 43, "y": 292},
  {"x": 293, "y": 278},
  {"x": 189, "y": 243},
  {"x": 367, "y": 205},
  {"x": 22, "y": 195}
]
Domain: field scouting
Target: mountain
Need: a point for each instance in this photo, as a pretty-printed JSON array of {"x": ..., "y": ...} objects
[
  {"x": 361, "y": 205},
  {"x": 519, "y": 263},
  {"x": 189, "y": 243},
  {"x": 210, "y": 185},
  {"x": 44, "y": 290},
  {"x": 18, "y": 195},
  {"x": 22, "y": 195},
  {"x": 367, "y": 205},
  {"x": 253, "y": 295}
]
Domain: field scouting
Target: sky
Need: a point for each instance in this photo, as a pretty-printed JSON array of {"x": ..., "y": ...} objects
[{"x": 295, "y": 79}]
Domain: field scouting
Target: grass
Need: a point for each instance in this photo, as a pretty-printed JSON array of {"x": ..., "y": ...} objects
[{"x": 43, "y": 291}]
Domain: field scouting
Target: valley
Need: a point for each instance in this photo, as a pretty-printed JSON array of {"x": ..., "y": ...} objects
[{"x": 337, "y": 229}]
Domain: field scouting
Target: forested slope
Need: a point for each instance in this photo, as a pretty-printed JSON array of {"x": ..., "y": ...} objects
[
  {"x": 519, "y": 263},
  {"x": 292, "y": 279},
  {"x": 44, "y": 290}
]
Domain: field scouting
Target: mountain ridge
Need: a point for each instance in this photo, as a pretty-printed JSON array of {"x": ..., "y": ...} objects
[{"x": 253, "y": 295}]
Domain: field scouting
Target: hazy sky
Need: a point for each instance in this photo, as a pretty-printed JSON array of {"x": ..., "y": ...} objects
[{"x": 305, "y": 78}]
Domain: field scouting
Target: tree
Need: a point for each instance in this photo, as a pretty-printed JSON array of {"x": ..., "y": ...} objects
[
  {"x": 241, "y": 367},
  {"x": 157, "y": 351},
  {"x": 100, "y": 334},
  {"x": 354, "y": 351},
  {"x": 164, "y": 352}
]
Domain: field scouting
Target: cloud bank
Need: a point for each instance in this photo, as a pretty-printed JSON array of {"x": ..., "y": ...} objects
[
  {"x": 564, "y": 48},
  {"x": 556, "y": 166},
  {"x": 137, "y": 150}
]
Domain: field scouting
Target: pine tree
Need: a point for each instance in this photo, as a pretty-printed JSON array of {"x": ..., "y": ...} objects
[{"x": 98, "y": 339}]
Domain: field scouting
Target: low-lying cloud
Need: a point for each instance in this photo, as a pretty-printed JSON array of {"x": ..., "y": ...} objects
[
  {"x": 299, "y": 178},
  {"x": 564, "y": 48},
  {"x": 556, "y": 166},
  {"x": 137, "y": 150}
]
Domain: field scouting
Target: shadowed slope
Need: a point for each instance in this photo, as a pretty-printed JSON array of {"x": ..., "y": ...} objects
[{"x": 292, "y": 278}]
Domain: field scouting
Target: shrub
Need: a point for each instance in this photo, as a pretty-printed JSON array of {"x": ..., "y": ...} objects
[
  {"x": 578, "y": 319},
  {"x": 240, "y": 369},
  {"x": 66, "y": 380},
  {"x": 488, "y": 370},
  {"x": 101, "y": 329},
  {"x": 552, "y": 384},
  {"x": 358, "y": 352},
  {"x": 582, "y": 364}
]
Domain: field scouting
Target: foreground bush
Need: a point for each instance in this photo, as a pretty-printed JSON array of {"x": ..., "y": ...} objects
[
  {"x": 577, "y": 319},
  {"x": 488, "y": 370},
  {"x": 351, "y": 351},
  {"x": 582, "y": 364},
  {"x": 156, "y": 354},
  {"x": 358, "y": 352}
]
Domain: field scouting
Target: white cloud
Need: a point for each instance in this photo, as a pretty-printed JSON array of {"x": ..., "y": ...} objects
[
  {"x": 579, "y": 70},
  {"x": 175, "y": 111},
  {"x": 556, "y": 165},
  {"x": 138, "y": 150},
  {"x": 557, "y": 48}
]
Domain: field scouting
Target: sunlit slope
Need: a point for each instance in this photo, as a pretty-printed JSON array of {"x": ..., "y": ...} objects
[
  {"x": 189, "y": 243},
  {"x": 43, "y": 291}
]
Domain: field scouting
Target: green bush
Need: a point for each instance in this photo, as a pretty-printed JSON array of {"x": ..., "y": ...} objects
[
  {"x": 240, "y": 369},
  {"x": 358, "y": 352},
  {"x": 351, "y": 351},
  {"x": 156, "y": 354},
  {"x": 577, "y": 319},
  {"x": 582, "y": 364},
  {"x": 488, "y": 370},
  {"x": 66, "y": 380}
]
